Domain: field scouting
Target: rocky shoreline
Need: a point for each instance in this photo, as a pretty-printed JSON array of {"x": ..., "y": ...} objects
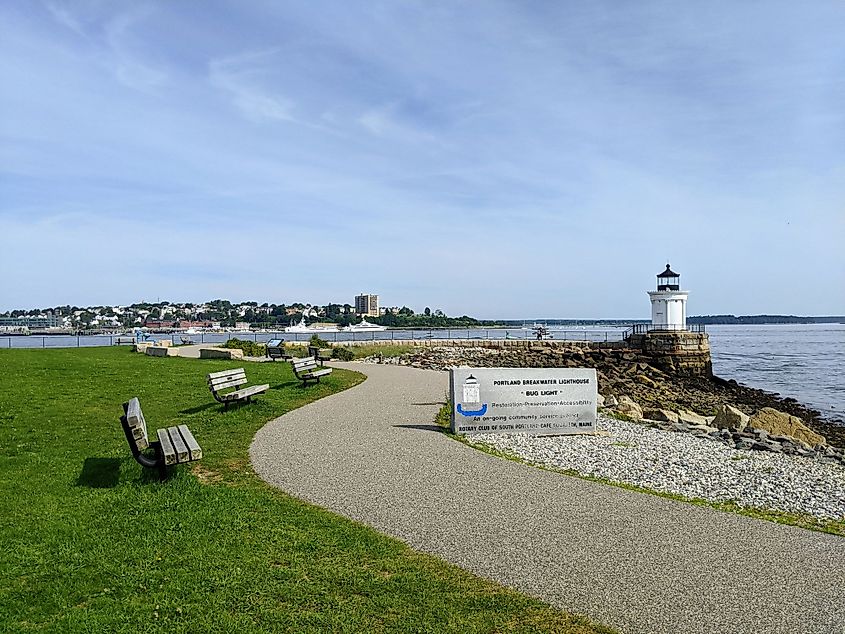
[{"x": 623, "y": 372}]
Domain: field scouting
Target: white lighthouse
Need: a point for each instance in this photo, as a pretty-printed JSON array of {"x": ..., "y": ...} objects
[{"x": 668, "y": 302}]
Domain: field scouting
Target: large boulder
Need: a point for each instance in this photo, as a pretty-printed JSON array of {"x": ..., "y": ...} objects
[
  {"x": 778, "y": 423},
  {"x": 629, "y": 408},
  {"x": 660, "y": 415},
  {"x": 728, "y": 417},
  {"x": 691, "y": 418},
  {"x": 162, "y": 351},
  {"x": 642, "y": 378},
  {"x": 221, "y": 353}
]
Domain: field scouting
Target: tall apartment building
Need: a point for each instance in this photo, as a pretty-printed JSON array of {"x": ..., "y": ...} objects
[{"x": 366, "y": 305}]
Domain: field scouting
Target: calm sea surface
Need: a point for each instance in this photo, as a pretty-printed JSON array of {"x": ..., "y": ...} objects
[{"x": 806, "y": 362}]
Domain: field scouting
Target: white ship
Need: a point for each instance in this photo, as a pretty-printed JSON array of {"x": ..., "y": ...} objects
[
  {"x": 364, "y": 326},
  {"x": 302, "y": 327}
]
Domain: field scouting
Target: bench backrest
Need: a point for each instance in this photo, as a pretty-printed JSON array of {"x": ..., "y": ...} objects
[
  {"x": 304, "y": 364},
  {"x": 276, "y": 352},
  {"x": 135, "y": 425},
  {"x": 227, "y": 378}
]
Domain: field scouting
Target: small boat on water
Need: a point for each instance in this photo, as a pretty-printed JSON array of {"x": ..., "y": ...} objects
[{"x": 364, "y": 326}]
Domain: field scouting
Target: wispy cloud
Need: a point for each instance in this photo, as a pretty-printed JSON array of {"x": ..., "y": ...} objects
[
  {"x": 240, "y": 78},
  {"x": 65, "y": 17}
]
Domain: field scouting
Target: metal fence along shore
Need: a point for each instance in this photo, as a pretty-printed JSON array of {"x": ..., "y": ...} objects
[{"x": 403, "y": 335}]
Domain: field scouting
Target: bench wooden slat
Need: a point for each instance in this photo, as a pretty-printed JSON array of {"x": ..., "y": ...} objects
[
  {"x": 190, "y": 441},
  {"x": 248, "y": 391},
  {"x": 238, "y": 376},
  {"x": 167, "y": 449},
  {"x": 134, "y": 415},
  {"x": 182, "y": 454},
  {"x": 224, "y": 384},
  {"x": 228, "y": 377},
  {"x": 215, "y": 375},
  {"x": 318, "y": 373},
  {"x": 137, "y": 423},
  {"x": 304, "y": 363}
]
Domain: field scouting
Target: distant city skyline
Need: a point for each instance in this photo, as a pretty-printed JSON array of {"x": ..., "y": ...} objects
[
  {"x": 264, "y": 305},
  {"x": 501, "y": 160}
]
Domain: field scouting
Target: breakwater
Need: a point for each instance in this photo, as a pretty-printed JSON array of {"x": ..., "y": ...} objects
[{"x": 683, "y": 353}]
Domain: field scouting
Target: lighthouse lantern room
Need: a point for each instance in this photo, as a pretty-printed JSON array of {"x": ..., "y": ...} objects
[{"x": 668, "y": 302}]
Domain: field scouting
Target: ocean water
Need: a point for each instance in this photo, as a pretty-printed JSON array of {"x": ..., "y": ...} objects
[{"x": 806, "y": 362}]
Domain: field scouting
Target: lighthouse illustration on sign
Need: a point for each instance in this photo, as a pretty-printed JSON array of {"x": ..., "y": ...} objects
[{"x": 471, "y": 404}]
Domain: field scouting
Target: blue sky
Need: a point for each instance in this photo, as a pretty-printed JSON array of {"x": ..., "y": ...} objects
[{"x": 500, "y": 159}]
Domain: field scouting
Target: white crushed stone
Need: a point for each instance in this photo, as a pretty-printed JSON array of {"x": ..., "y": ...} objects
[{"x": 683, "y": 464}]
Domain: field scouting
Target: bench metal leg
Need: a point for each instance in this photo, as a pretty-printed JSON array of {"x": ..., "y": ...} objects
[{"x": 159, "y": 458}]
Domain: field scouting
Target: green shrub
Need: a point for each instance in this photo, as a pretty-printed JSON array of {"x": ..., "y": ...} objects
[
  {"x": 320, "y": 343},
  {"x": 250, "y": 348},
  {"x": 343, "y": 354}
]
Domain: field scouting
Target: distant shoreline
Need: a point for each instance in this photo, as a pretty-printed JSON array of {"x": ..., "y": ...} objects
[
  {"x": 710, "y": 320},
  {"x": 754, "y": 320}
]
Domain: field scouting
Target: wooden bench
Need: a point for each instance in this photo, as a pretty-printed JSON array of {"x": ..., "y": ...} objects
[
  {"x": 218, "y": 381},
  {"x": 320, "y": 354},
  {"x": 306, "y": 369},
  {"x": 123, "y": 340},
  {"x": 175, "y": 445}
]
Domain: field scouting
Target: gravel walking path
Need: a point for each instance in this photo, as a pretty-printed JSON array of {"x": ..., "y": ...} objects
[{"x": 638, "y": 562}]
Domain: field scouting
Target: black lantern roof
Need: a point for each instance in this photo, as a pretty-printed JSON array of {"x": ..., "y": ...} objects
[
  {"x": 668, "y": 272},
  {"x": 668, "y": 280}
]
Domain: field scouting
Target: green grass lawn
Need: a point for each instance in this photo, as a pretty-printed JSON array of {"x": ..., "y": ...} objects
[{"x": 93, "y": 543}]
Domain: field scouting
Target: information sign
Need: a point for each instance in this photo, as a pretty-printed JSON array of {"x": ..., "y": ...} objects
[{"x": 539, "y": 401}]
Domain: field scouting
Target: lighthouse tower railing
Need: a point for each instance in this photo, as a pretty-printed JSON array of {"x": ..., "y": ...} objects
[{"x": 641, "y": 329}]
